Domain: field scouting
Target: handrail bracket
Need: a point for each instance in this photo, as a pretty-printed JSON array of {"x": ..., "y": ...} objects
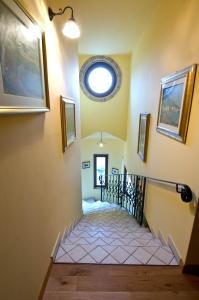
[{"x": 185, "y": 191}]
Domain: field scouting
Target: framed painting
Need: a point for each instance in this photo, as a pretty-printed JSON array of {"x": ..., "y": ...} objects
[
  {"x": 175, "y": 103},
  {"x": 85, "y": 164},
  {"x": 115, "y": 171},
  {"x": 23, "y": 67},
  {"x": 143, "y": 135},
  {"x": 67, "y": 108}
]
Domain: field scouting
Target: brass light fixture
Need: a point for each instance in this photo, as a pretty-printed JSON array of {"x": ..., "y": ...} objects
[
  {"x": 70, "y": 29},
  {"x": 100, "y": 143}
]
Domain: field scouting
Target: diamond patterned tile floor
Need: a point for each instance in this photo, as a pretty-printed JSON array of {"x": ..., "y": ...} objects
[{"x": 109, "y": 235}]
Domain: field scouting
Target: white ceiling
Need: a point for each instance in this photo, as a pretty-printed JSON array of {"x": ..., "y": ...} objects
[{"x": 110, "y": 26}]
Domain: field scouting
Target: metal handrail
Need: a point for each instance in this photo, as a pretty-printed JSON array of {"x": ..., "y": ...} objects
[
  {"x": 130, "y": 194},
  {"x": 183, "y": 189}
]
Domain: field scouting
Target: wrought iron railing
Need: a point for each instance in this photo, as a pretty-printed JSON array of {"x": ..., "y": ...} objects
[{"x": 128, "y": 191}]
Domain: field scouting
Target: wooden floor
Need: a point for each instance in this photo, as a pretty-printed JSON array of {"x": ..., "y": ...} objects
[{"x": 120, "y": 282}]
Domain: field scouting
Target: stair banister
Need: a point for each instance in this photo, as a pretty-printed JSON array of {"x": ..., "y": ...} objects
[{"x": 128, "y": 190}]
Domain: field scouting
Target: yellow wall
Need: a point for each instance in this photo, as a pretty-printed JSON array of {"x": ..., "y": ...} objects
[
  {"x": 113, "y": 147},
  {"x": 40, "y": 186},
  {"x": 107, "y": 116},
  {"x": 169, "y": 44}
]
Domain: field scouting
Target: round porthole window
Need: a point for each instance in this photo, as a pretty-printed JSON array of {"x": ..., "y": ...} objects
[{"x": 100, "y": 78}]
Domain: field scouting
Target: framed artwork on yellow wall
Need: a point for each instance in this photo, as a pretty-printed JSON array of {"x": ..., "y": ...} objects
[
  {"x": 67, "y": 109},
  {"x": 115, "y": 171},
  {"x": 175, "y": 103},
  {"x": 23, "y": 66},
  {"x": 86, "y": 164},
  {"x": 143, "y": 135}
]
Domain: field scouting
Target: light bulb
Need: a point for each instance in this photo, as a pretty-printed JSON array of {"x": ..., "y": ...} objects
[
  {"x": 101, "y": 145},
  {"x": 71, "y": 29}
]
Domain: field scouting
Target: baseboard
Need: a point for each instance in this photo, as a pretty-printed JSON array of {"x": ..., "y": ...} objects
[
  {"x": 44, "y": 284},
  {"x": 68, "y": 230},
  {"x": 54, "y": 252},
  {"x": 191, "y": 269},
  {"x": 90, "y": 198},
  {"x": 55, "y": 247},
  {"x": 65, "y": 233},
  {"x": 174, "y": 250},
  {"x": 169, "y": 243},
  {"x": 161, "y": 238},
  {"x": 60, "y": 239},
  {"x": 152, "y": 232}
]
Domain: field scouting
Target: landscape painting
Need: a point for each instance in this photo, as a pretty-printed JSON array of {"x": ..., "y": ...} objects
[
  {"x": 143, "y": 135},
  {"x": 171, "y": 104},
  {"x": 70, "y": 122},
  {"x": 22, "y": 78},
  {"x": 67, "y": 109},
  {"x": 115, "y": 171},
  {"x": 175, "y": 103},
  {"x": 85, "y": 164}
]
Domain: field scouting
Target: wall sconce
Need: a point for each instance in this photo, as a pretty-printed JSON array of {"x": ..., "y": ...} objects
[
  {"x": 100, "y": 143},
  {"x": 70, "y": 29}
]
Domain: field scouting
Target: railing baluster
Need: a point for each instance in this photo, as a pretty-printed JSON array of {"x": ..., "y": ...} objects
[
  {"x": 118, "y": 190},
  {"x": 128, "y": 190}
]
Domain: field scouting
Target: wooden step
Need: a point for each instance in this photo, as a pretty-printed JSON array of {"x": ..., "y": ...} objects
[{"x": 119, "y": 282}]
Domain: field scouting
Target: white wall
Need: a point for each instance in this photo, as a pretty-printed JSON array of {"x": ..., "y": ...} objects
[{"x": 113, "y": 147}]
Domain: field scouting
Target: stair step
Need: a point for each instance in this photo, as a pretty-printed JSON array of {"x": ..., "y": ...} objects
[{"x": 108, "y": 235}]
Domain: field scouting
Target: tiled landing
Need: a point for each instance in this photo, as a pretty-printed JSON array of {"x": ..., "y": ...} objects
[{"x": 108, "y": 235}]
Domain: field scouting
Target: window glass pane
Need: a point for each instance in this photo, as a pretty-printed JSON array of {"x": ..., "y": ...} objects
[
  {"x": 100, "y": 80},
  {"x": 100, "y": 168}
]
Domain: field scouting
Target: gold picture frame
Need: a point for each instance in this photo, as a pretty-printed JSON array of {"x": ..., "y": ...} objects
[
  {"x": 68, "y": 122},
  {"x": 175, "y": 103},
  {"x": 23, "y": 63},
  {"x": 86, "y": 164},
  {"x": 143, "y": 135},
  {"x": 115, "y": 171}
]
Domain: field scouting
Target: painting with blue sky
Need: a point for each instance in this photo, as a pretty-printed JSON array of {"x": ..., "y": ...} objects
[
  {"x": 171, "y": 104},
  {"x": 19, "y": 57},
  {"x": 175, "y": 103}
]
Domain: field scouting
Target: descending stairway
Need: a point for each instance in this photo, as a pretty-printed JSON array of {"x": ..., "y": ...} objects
[{"x": 109, "y": 235}]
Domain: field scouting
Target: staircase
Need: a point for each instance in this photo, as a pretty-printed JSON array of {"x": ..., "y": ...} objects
[
  {"x": 128, "y": 191},
  {"x": 111, "y": 230},
  {"x": 107, "y": 234}
]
